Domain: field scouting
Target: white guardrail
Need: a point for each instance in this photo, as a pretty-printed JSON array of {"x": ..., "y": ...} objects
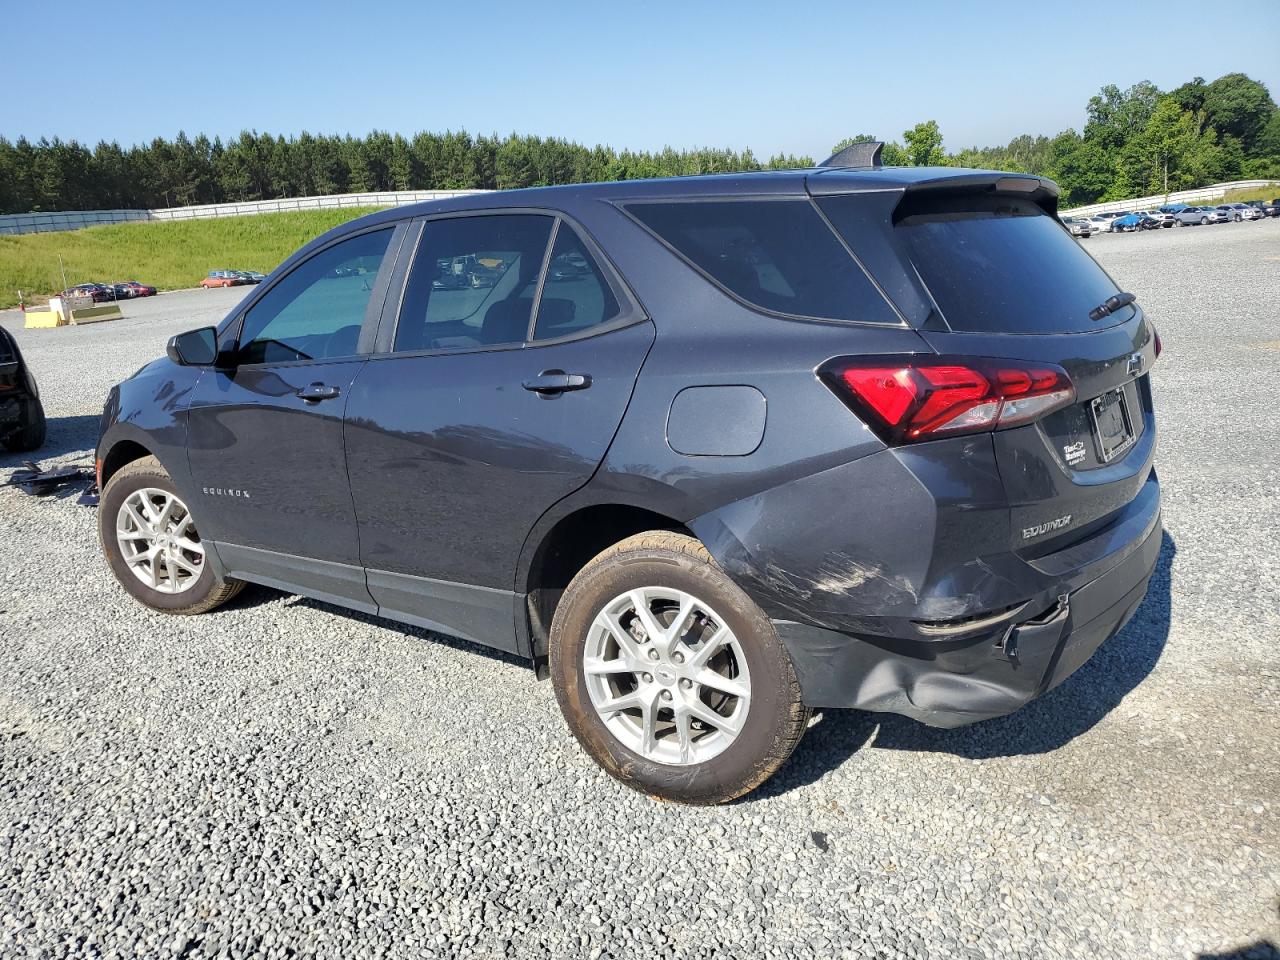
[
  {"x": 1199, "y": 195},
  {"x": 15, "y": 223}
]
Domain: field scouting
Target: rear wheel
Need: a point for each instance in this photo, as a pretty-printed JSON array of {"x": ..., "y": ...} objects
[
  {"x": 672, "y": 678},
  {"x": 152, "y": 543},
  {"x": 31, "y": 430}
]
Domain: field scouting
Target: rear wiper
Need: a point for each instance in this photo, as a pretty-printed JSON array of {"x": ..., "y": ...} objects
[{"x": 1111, "y": 305}]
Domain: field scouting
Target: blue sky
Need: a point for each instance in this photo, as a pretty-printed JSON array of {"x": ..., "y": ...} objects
[{"x": 769, "y": 76}]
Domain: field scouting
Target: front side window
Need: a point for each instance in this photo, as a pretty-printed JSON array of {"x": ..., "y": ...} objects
[
  {"x": 575, "y": 294},
  {"x": 473, "y": 282},
  {"x": 315, "y": 312},
  {"x": 777, "y": 255}
]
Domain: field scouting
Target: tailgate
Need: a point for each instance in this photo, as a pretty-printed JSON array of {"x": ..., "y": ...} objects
[{"x": 1064, "y": 475}]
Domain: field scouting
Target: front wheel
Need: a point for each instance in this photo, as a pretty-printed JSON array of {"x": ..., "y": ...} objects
[
  {"x": 670, "y": 676},
  {"x": 152, "y": 545}
]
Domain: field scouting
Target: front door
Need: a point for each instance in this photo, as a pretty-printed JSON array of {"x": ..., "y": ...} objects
[
  {"x": 513, "y": 361},
  {"x": 265, "y": 438}
]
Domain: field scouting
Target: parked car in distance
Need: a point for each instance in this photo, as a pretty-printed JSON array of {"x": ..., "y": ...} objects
[
  {"x": 98, "y": 292},
  {"x": 132, "y": 288},
  {"x": 1112, "y": 216},
  {"x": 250, "y": 276},
  {"x": 1101, "y": 224},
  {"x": 578, "y": 469},
  {"x": 1159, "y": 217},
  {"x": 1132, "y": 222},
  {"x": 1172, "y": 207},
  {"x": 1078, "y": 227},
  {"x": 1218, "y": 215},
  {"x": 1192, "y": 216},
  {"x": 1240, "y": 211},
  {"x": 22, "y": 422},
  {"x": 1273, "y": 208},
  {"x": 222, "y": 278}
]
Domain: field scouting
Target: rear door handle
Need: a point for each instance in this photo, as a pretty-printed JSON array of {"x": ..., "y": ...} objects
[
  {"x": 551, "y": 382},
  {"x": 315, "y": 392}
]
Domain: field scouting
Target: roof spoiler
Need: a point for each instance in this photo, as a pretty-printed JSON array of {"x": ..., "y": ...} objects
[{"x": 864, "y": 155}]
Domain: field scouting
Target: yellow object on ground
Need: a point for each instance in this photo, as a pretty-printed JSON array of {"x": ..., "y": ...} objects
[{"x": 44, "y": 318}]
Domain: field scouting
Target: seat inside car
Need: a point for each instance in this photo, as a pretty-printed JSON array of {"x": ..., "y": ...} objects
[{"x": 507, "y": 321}]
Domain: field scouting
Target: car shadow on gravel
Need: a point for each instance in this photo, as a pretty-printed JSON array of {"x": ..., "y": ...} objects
[
  {"x": 65, "y": 435},
  {"x": 1043, "y": 725},
  {"x": 1262, "y": 950}
]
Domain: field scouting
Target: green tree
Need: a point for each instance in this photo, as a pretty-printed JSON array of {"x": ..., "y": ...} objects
[
  {"x": 924, "y": 145},
  {"x": 1238, "y": 107}
]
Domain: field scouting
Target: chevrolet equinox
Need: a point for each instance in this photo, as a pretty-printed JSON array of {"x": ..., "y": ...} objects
[{"x": 710, "y": 452}]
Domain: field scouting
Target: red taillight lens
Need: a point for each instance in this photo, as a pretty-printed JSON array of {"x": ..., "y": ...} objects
[{"x": 909, "y": 398}]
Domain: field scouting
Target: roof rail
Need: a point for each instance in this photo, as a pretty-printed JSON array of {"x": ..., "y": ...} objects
[{"x": 863, "y": 155}]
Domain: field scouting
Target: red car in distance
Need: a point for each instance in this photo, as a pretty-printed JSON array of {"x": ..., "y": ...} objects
[
  {"x": 222, "y": 278},
  {"x": 132, "y": 288}
]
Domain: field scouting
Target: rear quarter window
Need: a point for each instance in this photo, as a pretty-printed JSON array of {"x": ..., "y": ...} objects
[{"x": 775, "y": 255}]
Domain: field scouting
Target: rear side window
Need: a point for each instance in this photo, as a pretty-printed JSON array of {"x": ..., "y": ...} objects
[
  {"x": 995, "y": 264},
  {"x": 777, "y": 255},
  {"x": 575, "y": 294},
  {"x": 473, "y": 282}
]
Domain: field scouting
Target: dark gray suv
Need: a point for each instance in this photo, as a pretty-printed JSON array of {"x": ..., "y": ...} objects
[{"x": 710, "y": 451}]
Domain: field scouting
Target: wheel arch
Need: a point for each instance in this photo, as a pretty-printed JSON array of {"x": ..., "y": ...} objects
[
  {"x": 561, "y": 546},
  {"x": 120, "y": 453}
]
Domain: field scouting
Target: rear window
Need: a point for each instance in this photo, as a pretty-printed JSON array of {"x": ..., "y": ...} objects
[
  {"x": 997, "y": 264},
  {"x": 777, "y": 255}
]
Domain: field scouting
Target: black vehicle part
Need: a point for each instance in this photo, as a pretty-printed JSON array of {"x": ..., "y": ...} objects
[
  {"x": 36, "y": 480},
  {"x": 857, "y": 156}
]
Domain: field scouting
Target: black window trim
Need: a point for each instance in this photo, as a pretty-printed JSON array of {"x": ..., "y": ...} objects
[
  {"x": 623, "y": 205},
  {"x": 630, "y": 310},
  {"x": 229, "y": 335}
]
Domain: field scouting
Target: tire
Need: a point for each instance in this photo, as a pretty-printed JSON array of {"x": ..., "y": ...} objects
[
  {"x": 189, "y": 591},
  {"x": 30, "y": 435},
  {"x": 1204, "y": 221},
  {"x": 712, "y": 762}
]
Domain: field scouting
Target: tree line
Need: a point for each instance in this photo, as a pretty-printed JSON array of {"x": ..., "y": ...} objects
[{"x": 1135, "y": 142}]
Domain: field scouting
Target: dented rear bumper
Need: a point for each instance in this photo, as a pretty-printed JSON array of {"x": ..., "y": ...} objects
[
  {"x": 919, "y": 606},
  {"x": 954, "y": 682}
]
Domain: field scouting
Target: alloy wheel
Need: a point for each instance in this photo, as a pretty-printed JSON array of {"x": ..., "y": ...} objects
[
  {"x": 667, "y": 676},
  {"x": 158, "y": 541}
]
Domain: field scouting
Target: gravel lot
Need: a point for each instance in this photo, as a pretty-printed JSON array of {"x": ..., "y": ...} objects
[{"x": 281, "y": 778}]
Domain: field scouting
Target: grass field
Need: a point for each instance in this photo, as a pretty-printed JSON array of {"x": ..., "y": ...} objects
[
  {"x": 1240, "y": 196},
  {"x": 166, "y": 255}
]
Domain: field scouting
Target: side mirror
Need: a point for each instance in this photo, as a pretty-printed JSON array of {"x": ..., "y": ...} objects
[{"x": 195, "y": 348}]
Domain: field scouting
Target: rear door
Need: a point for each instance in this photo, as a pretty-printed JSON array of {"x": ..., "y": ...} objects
[
  {"x": 497, "y": 392},
  {"x": 1003, "y": 279}
]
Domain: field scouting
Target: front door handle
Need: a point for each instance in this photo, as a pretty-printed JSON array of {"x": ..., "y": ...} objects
[
  {"x": 315, "y": 392},
  {"x": 549, "y": 383}
]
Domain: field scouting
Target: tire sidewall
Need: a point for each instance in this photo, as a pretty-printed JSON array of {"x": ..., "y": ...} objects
[
  {"x": 735, "y": 770},
  {"x": 119, "y": 487}
]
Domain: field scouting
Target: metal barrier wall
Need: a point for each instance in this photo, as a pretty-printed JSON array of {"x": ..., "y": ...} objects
[
  {"x": 1199, "y": 195},
  {"x": 16, "y": 223}
]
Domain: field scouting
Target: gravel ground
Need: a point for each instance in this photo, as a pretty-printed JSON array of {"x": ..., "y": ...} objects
[{"x": 281, "y": 778}]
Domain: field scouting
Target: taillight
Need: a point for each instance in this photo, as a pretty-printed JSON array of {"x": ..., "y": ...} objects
[
  {"x": 1155, "y": 335},
  {"x": 909, "y": 398}
]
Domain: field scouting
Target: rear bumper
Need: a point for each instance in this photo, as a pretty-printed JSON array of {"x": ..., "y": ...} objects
[{"x": 955, "y": 682}]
